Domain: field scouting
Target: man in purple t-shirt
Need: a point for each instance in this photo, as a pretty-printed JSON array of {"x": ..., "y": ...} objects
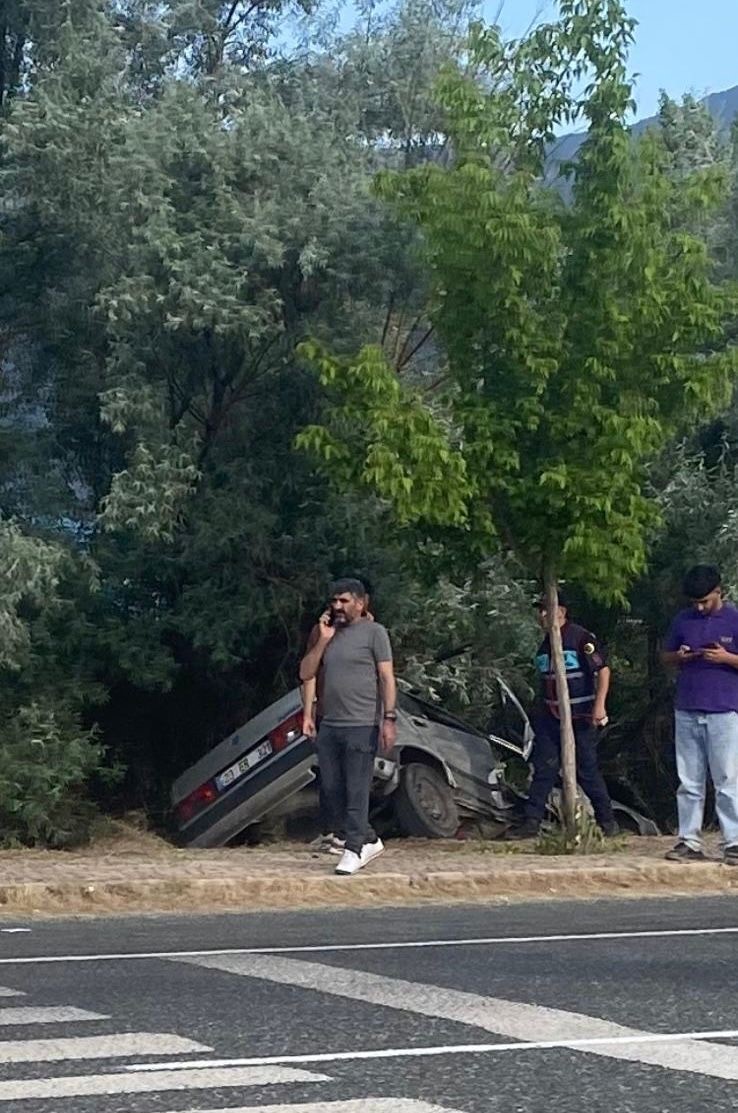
[{"x": 703, "y": 644}]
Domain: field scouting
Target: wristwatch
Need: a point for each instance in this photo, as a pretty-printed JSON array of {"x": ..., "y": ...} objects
[{"x": 391, "y": 715}]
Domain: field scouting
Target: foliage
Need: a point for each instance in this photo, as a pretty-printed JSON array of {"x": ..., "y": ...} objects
[
  {"x": 181, "y": 207},
  {"x": 697, "y": 505},
  {"x": 48, "y": 761},
  {"x": 400, "y": 449},
  {"x": 49, "y": 758},
  {"x": 453, "y": 639},
  {"x": 554, "y": 425},
  {"x": 579, "y": 340},
  {"x": 29, "y": 573},
  {"x": 188, "y": 195},
  {"x": 587, "y": 837}
]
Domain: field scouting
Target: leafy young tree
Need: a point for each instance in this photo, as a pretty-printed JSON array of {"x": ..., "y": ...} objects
[{"x": 578, "y": 340}]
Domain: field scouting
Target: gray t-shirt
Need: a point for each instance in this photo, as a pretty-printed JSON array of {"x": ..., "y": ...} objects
[{"x": 351, "y": 694}]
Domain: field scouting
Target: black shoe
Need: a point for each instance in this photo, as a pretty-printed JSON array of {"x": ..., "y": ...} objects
[
  {"x": 528, "y": 829},
  {"x": 683, "y": 853},
  {"x": 730, "y": 855},
  {"x": 610, "y": 829}
]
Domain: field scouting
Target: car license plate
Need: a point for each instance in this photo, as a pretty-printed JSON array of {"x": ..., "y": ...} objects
[{"x": 252, "y": 758}]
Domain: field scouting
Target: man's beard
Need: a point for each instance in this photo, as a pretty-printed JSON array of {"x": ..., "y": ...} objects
[{"x": 340, "y": 619}]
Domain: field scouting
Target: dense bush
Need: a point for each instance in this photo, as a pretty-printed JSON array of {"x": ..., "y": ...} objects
[{"x": 47, "y": 763}]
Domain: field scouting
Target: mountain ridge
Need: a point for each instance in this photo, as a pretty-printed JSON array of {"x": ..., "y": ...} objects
[{"x": 722, "y": 106}]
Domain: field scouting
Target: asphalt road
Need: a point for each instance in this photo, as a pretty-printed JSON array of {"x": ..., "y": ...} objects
[{"x": 606, "y": 1006}]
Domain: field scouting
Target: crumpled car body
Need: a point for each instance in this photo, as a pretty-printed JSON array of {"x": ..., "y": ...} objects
[{"x": 441, "y": 773}]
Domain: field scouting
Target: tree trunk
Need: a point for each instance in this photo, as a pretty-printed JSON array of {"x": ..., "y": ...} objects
[{"x": 568, "y": 745}]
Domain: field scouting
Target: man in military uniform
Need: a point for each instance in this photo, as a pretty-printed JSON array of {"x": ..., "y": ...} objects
[{"x": 588, "y": 680}]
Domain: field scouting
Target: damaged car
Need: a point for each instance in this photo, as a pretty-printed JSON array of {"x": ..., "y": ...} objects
[{"x": 442, "y": 773}]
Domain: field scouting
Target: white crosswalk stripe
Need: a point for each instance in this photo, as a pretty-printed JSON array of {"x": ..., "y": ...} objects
[
  {"x": 92, "y": 1085},
  {"x": 117, "y": 1046},
  {"x": 11, "y": 1015},
  {"x": 363, "y": 1105},
  {"x": 534, "y": 1025},
  {"x": 5, "y": 991}
]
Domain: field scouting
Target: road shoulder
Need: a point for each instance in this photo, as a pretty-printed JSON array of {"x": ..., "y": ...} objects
[{"x": 125, "y": 874}]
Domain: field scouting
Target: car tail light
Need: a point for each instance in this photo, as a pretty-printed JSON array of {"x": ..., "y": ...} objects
[
  {"x": 196, "y": 801},
  {"x": 286, "y": 732}
]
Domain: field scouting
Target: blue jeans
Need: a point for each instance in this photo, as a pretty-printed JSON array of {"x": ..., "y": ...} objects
[{"x": 707, "y": 741}]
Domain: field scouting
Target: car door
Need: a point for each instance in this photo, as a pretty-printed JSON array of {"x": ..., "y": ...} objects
[{"x": 509, "y": 727}]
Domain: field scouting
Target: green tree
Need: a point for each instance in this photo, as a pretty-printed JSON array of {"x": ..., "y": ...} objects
[
  {"x": 692, "y": 483},
  {"x": 49, "y": 755},
  {"x": 578, "y": 340},
  {"x": 13, "y": 39},
  {"x": 170, "y": 231}
]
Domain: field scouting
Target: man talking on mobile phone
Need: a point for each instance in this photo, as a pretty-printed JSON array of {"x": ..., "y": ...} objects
[
  {"x": 329, "y": 841},
  {"x": 358, "y": 715},
  {"x": 703, "y": 644}
]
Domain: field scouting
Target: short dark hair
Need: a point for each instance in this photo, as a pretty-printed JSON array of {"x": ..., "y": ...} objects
[
  {"x": 701, "y": 580},
  {"x": 350, "y": 586},
  {"x": 361, "y": 578}
]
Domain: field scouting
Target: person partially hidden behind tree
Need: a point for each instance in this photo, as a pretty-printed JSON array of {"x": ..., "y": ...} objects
[
  {"x": 703, "y": 644},
  {"x": 588, "y": 680}
]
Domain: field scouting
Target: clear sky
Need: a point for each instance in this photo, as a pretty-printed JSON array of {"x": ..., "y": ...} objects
[{"x": 681, "y": 45}]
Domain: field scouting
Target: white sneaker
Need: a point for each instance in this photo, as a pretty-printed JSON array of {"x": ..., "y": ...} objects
[
  {"x": 371, "y": 850},
  {"x": 350, "y": 863}
]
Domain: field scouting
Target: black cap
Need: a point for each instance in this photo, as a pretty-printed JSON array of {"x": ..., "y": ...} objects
[{"x": 540, "y": 603}]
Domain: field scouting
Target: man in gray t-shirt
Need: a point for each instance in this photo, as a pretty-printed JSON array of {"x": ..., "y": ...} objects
[{"x": 358, "y": 699}]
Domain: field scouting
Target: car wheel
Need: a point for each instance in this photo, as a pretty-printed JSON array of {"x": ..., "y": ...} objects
[
  {"x": 424, "y": 803},
  {"x": 627, "y": 823}
]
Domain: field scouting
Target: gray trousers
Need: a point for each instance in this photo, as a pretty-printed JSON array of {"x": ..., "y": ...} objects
[{"x": 346, "y": 762}]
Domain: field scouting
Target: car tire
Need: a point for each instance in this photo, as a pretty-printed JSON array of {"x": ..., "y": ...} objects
[
  {"x": 424, "y": 803},
  {"x": 627, "y": 823}
]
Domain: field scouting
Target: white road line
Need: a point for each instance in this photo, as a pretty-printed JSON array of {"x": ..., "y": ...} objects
[
  {"x": 363, "y": 1105},
  {"x": 326, "y": 1057},
  {"x": 90, "y": 1085},
  {"x": 45, "y": 1015},
  {"x": 484, "y": 941},
  {"x": 6, "y": 992},
  {"x": 516, "y": 1020},
  {"x": 97, "y": 1047}
]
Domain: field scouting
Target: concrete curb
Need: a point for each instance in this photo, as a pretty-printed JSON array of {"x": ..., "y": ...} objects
[{"x": 285, "y": 891}]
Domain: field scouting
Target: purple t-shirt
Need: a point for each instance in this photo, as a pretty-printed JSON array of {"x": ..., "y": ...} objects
[{"x": 702, "y": 686}]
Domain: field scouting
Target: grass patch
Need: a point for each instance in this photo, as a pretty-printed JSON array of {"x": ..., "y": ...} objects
[{"x": 588, "y": 838}]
